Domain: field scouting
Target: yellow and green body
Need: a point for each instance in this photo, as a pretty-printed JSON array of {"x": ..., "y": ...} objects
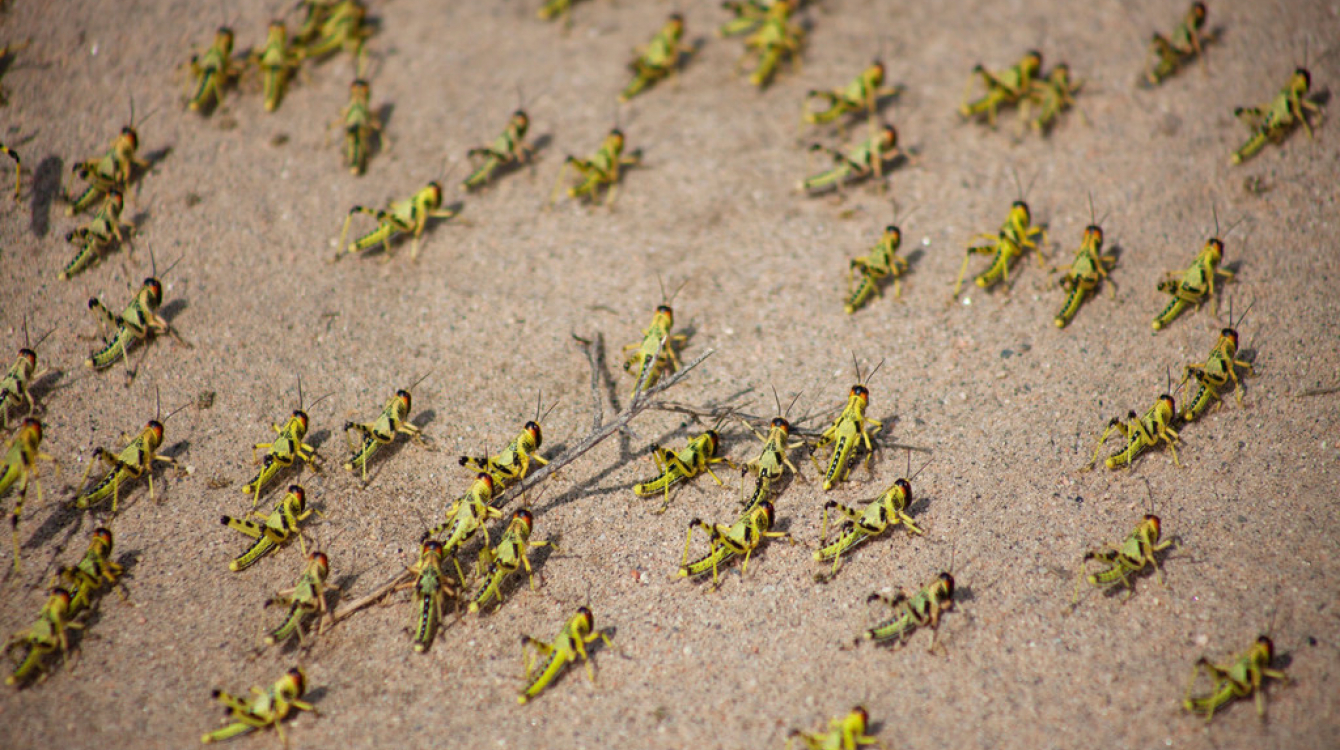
[
  {"x": 214, "y": 72},
  {"x": 882, "y": 261},
  {"x": 1245, "y": 676},
  {"x": 19, "y": 467},
  {"x": 922, "y": 609},
  {"x": 306, "y": 599},
  {"x": 674, "y": 467},
  {"x": 264, "y": 708},
  {"x": 845, "y": 435},
  {"x": 1085, "y": 273},
  {"x": 1273, "y": 122},
  {"x": 430, "y": 593},
  {"x": 885, "y": 511},
  {"x": 658, "y": 59},
  {"x": 134, "y": 460},
  {"x": 1195, "y": 285},
  {"x": 499, "y": 563},
  {"x": 507, "y": 149},
  {"x": 112, "y": 171},
  {"x": 862, "y": 161},
  {"x": 43, "y": 640},
  {"x": 725, "y": 542},
  {"x": 1141, "y": 433},
  {"x": 276, "y": 527},
  {"x": 566, "y": 649}
]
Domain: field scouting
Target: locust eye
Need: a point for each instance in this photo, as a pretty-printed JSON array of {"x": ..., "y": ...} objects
[
  {"x": 524, "y": 516},
  {"x": 665, "y": 310},
  {"x": 948, "y": 582},
  {"x": 104, "y": 534},
  {"x": 779, "y": 423},
  {"x": 860, "y": 392},
  {"x": 29, "y": 355},
  {"x": 484, "y": 477}
]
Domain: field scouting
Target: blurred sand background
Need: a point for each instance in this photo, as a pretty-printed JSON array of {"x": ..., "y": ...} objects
[{"x": 1010, "y": 406}]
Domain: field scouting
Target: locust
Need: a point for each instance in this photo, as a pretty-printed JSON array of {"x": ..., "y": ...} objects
[
  {"x": 774, "y": 40},
  {"x": 1272, "y": 123},
  {"x": 114, "y": 170},
  {"x": 96, "y": 237},
  {"x": 647, "y": 359},
  {"x": 393, "y": 419},
  {"x": 342, "y": 26},
  {"x": 288, "y": 446},
  {"x": 305, "y": 599},
  {"x": 922, "y": 608},
  {"x": 466, "y": 516},
  {"x": 214, "y": 72},
  {"x": 95, "y": 570},
  {"x": 513, "y": 463},
  {"x": 508, "y": 149},
  {"x": 135, "y": 460},
  {"x": 1086, "y": 272},
  {"x": 747, "y": 16},
  {"x": 1196, "y": 282},
  {"x": 275, "y": 529},
  {"x": 500, "y": 562},
  {"x": 861, "y": 161},
  {"x": 1167, "y": 55},
  {"x": 136, "y": 323},
  {"x": 431, "y": 589},
  {"x": 15, "y": 385},
  {"x": 399, "y": 217},
  {"x": 603, "y": 169},
  {"x": 567, "y": 647},
  {"x": 881, "y": 261},
  {"x": 1052, "y": 95},
  {"x": 882, "y": 513},
  {"x": 1121, "y": 563},
  {"x": 19, "y": 467},
  {"x": 741, "y": 538},
  {"x": 1245, "y": 676},
  {"x": 1014, "y": 236},
  {"x": 1220, "y": 367},
  {"x": 658, "y": 59},
  {"x": 1006, "y": 88},
  {"x": 1141, "y": 433},
  {"x": 360, "y": 125},
  {"x": 277, "y": 62},
  {"x": 45, "y": 639},
  {"x": 674, "y": 467},
  {"x": 862, "y": 94},
  {"x": 846, "y": 733},
  {"x": 265, "y": 708},
  {"x": 850, "y": 430}
]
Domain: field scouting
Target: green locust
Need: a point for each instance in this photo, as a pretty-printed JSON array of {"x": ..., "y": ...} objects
[
  {"x": 410, "y": 215},
  {"x": 1086, "y": 272},
  {"x": 513, "y": 463},
  {"x": 139, "y": 320},
  {"x": 507, "y": 150},
  {"x": 862, "y": 94},
  {"x": 846, "y": 733},
  {"x": 277, "y": 62},
  {"x": 287, "y": 446},
  {"x": 467, "y": 515},
  {"x": 1052, "y": 95},
  {"x": 214, "y": 72},
  {"x": 1167, "y": 55},
  {"x": 360, "y": 124},
  {"x": 552, "y": 9},
  {"x": 774, "y": 40},
  {"x": 602, "y": 170},
  {"x": 725, "y": 542},
  {"x": 393, "y": 419},
  {"x": 881, "y": 261},
  {"x": 884, "y": 512},
  {"x": 1272, "y": 122},
  {"x": 655, "y": 353},
  {"x": 135, "y": 460},
  {"x": 46, "y": 638},
  {"x": 922, "y": 609},
  {"x": 1141, "y": 433},
  {"x": 277, "y": 527},
  {"x": 306, "y": 599},
  {"x": 114, "y": 170},
  {"x": 1006, "y": 88},
  {"x": 14, "y": 386},
  {"x": 748, "y": 15},
  {"x": 1118, "y": 564},
  {"x": 342, "y": 26},
  {"x": 1015, "y": 235},
  {"x": 674, "y": 467},
  {"x": 94, "y": 570},
  {"x": 566, "y": 648},
  {"x": 850, "y": 430},
  {"x": 657, "y": 60},
  {"x": 431, "y": 589},
  {"x": 1196, "y": 282},
  {"x": 95, "y": 238},
  {"x": 499, "y": 563},
  {"x": 862, "y": 161},
  {"x": 1216, "y": 371},
  {"x": 1245, "y": 676},
  {"x": 265, "y": 708},
  {"x": 22, "y": 452},
  {"x": 772, "y": 461}
]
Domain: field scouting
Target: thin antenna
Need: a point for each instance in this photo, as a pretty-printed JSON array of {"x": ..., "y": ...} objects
[{"x": 871, "y": 376}]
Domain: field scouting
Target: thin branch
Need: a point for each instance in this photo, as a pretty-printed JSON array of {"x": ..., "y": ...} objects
[
  {"x": 1319, "y": 391},
  {"x": 404, "y": 576},
  {"x": 594, "y": 351}
]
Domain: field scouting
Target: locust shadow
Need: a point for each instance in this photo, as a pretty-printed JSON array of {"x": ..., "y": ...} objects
[{"x": 46, "y": 188}]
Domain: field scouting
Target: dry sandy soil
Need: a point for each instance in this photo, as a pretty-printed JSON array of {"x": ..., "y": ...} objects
[{"x": 1008, "y": 405}]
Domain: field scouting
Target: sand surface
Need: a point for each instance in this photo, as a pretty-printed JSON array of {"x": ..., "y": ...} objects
[{"x": 1008, "y": 406}]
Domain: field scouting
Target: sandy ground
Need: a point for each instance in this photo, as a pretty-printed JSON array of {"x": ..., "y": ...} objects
[{"x": 1009, "y": 406}]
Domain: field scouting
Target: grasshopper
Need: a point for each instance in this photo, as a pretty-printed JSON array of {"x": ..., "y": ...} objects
[
  {"x": 45, "y": 638},
  {"x": 431, "y": 589},
  {"x": 846, "y": 733},
  {"x": 1014, "y": 236},
  {"x": 266, "y": 708},
  {"x": 885, "y": 511},
  {"x": 1008, "y": 87},
  {"x": 278, "y": 525},
  {"x": 552, "y": 9},
  {"x": 410, "y": 215},
  {"x": 507, "y": 150},
  {"x": 648, "y": 359},
  {"x": 602, "y": 169},
  {"x": 772, "y": 461},
  {"x": 513, "y": 463},
  {"x": 316, "y": 13},
  {"x": 748, "y": 15},
  {"x": 134, "y": 460},
  {"x": 1141, "y": 433},
  {"x": 1243, "y": 677},
  {"x": 305, "y": 599},
  {"x": 14, "y": 386},
  {"x": 342, "y": 26},
  {"x": 848, "y": 431},
  {"x": 360, "y": 124},
  {"x": 566, "y": 648},
  {"x": 881, "y": 261},
  {"x": 96, "y": 237},
  {"x": 774, "y": 39},
  {"x": 1086, "y": 272},
  {"x": 1274, "y": 121},
  {"x": 94, "y": 570},
  {"x": 214, "y": 71},
  {"x": 466, "y": 516},
  {"x": 863, "y": 160},
  {"x": 500, "y": 562},
  {"x": 382, "y": 431},
  {"x": 277, "y": 62},
  {"x": 659, "y": 59},
  {"x": 922, "y": 609},
  {"x": 863, "y": 93},
  {"x": 1053, "y": 95},
  {"x": 287, "y": 446},
  {"x": 18, "y": 169},
  {"x": 1216, "y": 371},
  {"x": 674, "y": 467},
  {"x": 135, "y": 324},
  {"x": 22, "y": 452},
  {"x": 1119, "y": 563},
  {"x": 1167, "y": 55},
  {"x": 114, "y": 170},
  {"x": 725, "y": 542},
  {"x": 1196, "y": 283}
]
